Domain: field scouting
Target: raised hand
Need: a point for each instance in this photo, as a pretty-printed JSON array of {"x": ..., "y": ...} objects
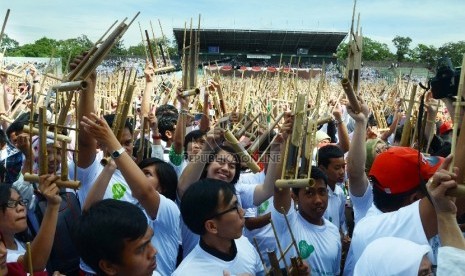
[{"x": 49, "y": 189}]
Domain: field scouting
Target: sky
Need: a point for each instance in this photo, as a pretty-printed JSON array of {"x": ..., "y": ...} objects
[{"x": 429, "y": 22}]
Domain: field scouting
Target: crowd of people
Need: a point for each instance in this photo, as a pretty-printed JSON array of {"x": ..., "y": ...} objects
[{"x": 182, "y": 199}]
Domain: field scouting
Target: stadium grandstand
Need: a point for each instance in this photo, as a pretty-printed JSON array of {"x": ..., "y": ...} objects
[{"x": 230, "y": 50}]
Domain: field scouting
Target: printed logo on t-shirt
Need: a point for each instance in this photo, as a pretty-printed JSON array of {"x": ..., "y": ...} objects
[
  {"x": 118, "y": 191},
  {"x": 305, "y": 249},
  {"x": 263, "y": 207}
]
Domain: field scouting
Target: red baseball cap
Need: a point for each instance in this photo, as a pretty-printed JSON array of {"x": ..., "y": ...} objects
[{"x": 398, "y": 170}]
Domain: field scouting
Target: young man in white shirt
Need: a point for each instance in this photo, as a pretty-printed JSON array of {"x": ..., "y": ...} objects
[
  {"x": 211, "y": 209},
  {"x": 331, "y": 162},
  {"x": 318, "y": 240},
  {"x": 113, "y": 238}
]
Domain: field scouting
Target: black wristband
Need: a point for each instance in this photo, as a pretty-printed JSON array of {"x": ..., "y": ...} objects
[{"x": 35, "y": 81}]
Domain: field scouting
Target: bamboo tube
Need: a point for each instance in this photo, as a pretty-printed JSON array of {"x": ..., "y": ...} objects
[
  {"x": 69, "y": 86},
  {"x": 154, "y": 63},
  {"x": 48, "y": 75},
  {"x": 190, "y": 92},
  {"x": 258, "y": 142},
  {"x": 348, "y": 89},
  {"x": 49, "y": 134},
  {"x": 2, "y": 71},
  {"x": 4, "y": 25},
  {"x": 241, "y": 131},
  {"x": 243, "y": 154},
  {"x": 295, "y": 183},
  {"x": 6, "y": 119},
  {"x": 406, "y": 132},
  {"x": 164, "y": 70},
  {"x": 459, "y": 152},
  {"x": 71, "y": 184},
  {"x": 29, "y": 259}
]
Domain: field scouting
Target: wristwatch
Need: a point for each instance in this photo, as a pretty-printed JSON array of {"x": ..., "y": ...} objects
[{"x": 117, "y": 153}]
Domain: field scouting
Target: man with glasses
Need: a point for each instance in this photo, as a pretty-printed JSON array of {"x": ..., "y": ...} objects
[{"x": 211, "y": 209}]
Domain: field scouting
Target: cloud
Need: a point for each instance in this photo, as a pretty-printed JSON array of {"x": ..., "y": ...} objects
[{"x": 426, "y": 21}]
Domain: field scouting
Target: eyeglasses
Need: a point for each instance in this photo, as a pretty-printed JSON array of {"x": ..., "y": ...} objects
[
  {"x": 235, "y": 207},
  {"x": 14, "y": 203}
]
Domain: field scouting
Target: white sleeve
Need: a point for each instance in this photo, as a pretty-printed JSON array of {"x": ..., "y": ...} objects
[
  {"x": 157, "y": 151},
  {"x": 250, "y": 212},
  {"x": 450, "y": 261},
  {"x": 361, "y": 204}
]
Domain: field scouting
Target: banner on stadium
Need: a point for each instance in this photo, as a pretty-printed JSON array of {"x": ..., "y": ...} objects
[{"x": 258, "y": 56}]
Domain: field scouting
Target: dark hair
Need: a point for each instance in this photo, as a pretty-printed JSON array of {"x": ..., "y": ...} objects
[
  {"x": 326, "y": 153},
  {"x": 211, "y": 158},
  {"x": 3, "y": 138},
  {"x": 166, "y": 122},
  {"x": 166, "y": 174},
  {"x": 16, "y": 126},
  {"x": 201, "y": 201},
  {"x": 392, "y": 202},
  {"x": 193, "y": 135},
  {"x": 147, "y": 148},
  {"x": 316, "y": 174},
  {"x": 5, "y": 195},
  {"x": 110, "y": 118},
  {"x": 166, "y": 109},
  {"x": 101, "y": 232}
]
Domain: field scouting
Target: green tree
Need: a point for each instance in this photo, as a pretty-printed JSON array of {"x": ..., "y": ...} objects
[
  {"x": 402, "y": 44},
  {"x": 454, "y": 50},
  {"x": 425, "y": 54},
  {"x": 69, "y": 48},
  {"x": 372, "y": 50},
  {"x": 9, "y": 44}
]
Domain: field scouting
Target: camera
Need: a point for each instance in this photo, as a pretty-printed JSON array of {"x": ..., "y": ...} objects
[{"x": 446, "y": 82}]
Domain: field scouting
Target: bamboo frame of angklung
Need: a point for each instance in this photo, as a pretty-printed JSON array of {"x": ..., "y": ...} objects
[
  {"x": 122, "y": 110},
  {"x": 63, "y": 182},
  {"x": 275, "y": 268},
  {"x": 459, "y": 152},
  {"x": 292, "y": 175}
]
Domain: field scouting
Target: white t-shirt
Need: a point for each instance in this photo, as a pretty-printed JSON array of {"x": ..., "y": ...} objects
[
  {"x": 404, "y": 223},
  {"x": 13, "y": 255},
  {"x": 319, "y": 246},
  {"x": 450, "y": 261},
  {"x": 200, "y": 262},
  {"x": 335, "y": 212},
  {"x": 391, "y": 256},
  {"x": 264, "y": 236},
  {"x": 167, "y": 235},
  {"x": 117, "y": 187},
  {"x": 361, "y": 204}
]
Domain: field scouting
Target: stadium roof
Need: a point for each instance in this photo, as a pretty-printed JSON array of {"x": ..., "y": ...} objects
[{"x": 265, "y": 41}]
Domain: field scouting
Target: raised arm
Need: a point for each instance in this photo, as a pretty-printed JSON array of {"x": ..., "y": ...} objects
[
  {"x": 141, "y": 189},
  {"x": 357, "y": 153},
  {"x": 100, "y": 185},
  {"x": 180, "y": 132},
  {"x": 264, "y": 191},
  {"x": 42, "y": 244},
  {"x": 194, "y": 169},
  {"x": 446, "y": 210},
  {"x": 342, "y": 133},
  {"x": 87, "y": 147}
]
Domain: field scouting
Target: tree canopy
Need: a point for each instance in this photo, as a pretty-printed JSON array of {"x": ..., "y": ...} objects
[
  {"x": 372, "y": 50},
  {"x": 69, "y": 48}
]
